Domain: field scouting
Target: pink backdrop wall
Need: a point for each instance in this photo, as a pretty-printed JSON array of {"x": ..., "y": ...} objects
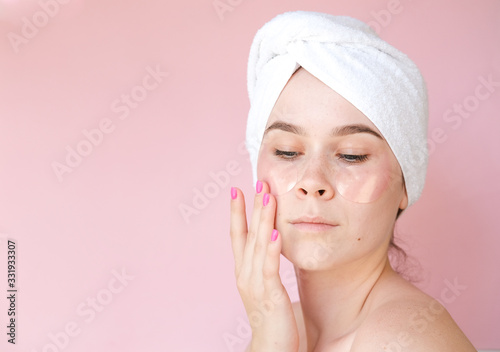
[{"x": 153, "y": 94}]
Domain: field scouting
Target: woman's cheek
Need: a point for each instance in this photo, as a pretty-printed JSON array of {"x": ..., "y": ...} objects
[{"x": 281, "y": 176}]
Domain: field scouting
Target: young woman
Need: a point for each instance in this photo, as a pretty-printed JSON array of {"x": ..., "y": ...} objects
[{"x": 340, "y": 120}]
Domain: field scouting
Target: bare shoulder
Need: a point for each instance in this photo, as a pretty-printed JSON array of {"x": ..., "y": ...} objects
[{"x": 409, "y": 320}]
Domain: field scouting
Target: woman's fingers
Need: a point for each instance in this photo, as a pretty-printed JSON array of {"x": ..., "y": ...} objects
[
  {"x": 264, "y": 234},
  {"x": 261, "y": 189},
  {"x": 238, "y": 226},
  {"x": 256, "y": 254},
  {"x": 257, "y": 258},
  {"x": 271, "y": 267}
]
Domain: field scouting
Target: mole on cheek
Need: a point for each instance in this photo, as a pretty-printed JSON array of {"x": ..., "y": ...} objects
[{"x": 359, "y": 239}]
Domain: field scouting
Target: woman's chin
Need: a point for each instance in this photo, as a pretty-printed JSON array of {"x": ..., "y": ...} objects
[{"x": 309, "y": 253}]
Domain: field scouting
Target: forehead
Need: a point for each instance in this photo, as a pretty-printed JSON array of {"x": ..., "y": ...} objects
[{"x": 307, "y": 102}]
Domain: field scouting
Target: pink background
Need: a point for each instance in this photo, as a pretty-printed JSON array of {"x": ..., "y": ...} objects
[{"x": 119, "y": 208}]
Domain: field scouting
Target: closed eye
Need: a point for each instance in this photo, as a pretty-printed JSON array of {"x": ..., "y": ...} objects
[
  {"x": 353, "y": 158},
  {"x": 286, "y": 154},
  {"x": 348, "y": 158}
]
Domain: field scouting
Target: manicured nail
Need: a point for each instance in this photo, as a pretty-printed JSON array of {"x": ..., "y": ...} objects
[
  {"x": 265, "y": 200},
  {"x": 234, "y": 193},
  {"x": 274, "y": 235},
  {"x": 258, "y": 187}
]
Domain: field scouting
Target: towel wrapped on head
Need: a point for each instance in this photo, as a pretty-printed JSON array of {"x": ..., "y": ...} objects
[{"x": 349, "y": 57}]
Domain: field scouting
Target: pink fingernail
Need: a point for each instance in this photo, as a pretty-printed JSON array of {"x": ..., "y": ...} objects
[
  {"x": 234, "y": 193},
  {"x": 274, "y": 235},
  {"x": 265, "y": 200},
  {"x": 258, "y": 187}
]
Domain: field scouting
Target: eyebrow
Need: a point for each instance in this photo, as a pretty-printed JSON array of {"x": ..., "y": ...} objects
[
  {"x": 287, "y": 127},
  {"x": 352, "y": 129},
  {"x": 336, "y": 132}
]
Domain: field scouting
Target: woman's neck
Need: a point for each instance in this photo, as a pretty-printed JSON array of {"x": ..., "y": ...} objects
[{"x": 334, "y": 302}]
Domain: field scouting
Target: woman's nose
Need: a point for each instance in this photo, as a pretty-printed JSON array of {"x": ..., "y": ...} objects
[{"x": 315, "y": 181}]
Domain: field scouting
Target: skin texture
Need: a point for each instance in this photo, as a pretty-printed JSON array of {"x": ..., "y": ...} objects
[{"x": 350, "y": 297}]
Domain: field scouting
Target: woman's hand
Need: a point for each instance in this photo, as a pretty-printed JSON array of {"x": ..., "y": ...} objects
[{"x": 257, "y": 256}]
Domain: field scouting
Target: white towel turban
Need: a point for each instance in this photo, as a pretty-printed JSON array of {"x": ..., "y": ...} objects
[{"x": 349, "y": 57}]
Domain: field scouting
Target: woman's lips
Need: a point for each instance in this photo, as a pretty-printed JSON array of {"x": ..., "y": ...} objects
[
  {"x": 313, "y": 224},
  {"x": 312, "y": 227}
]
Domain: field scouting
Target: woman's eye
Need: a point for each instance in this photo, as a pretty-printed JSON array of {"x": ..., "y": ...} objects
[
  {"x": 285, "y": 154},
  {"x": 353, "y": 158}
]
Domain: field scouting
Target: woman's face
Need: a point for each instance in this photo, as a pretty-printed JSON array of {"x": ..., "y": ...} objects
[{"x": 337, "y": 183}]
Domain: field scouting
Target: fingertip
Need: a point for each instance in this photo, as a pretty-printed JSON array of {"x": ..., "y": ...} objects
[
  {"x": 258, "y": 186},
  {"x": 274, "y": 235},
  {"x": 265, "y": 199},
  {"x": 268, "y": 200},
  {"x": 272, "y": 262},
  {"x": 237, "y": 200},
  {"x": 236, "y": 194},
  {"x": 265, "y": 187},
  {"x": 275, "y": 242}
]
